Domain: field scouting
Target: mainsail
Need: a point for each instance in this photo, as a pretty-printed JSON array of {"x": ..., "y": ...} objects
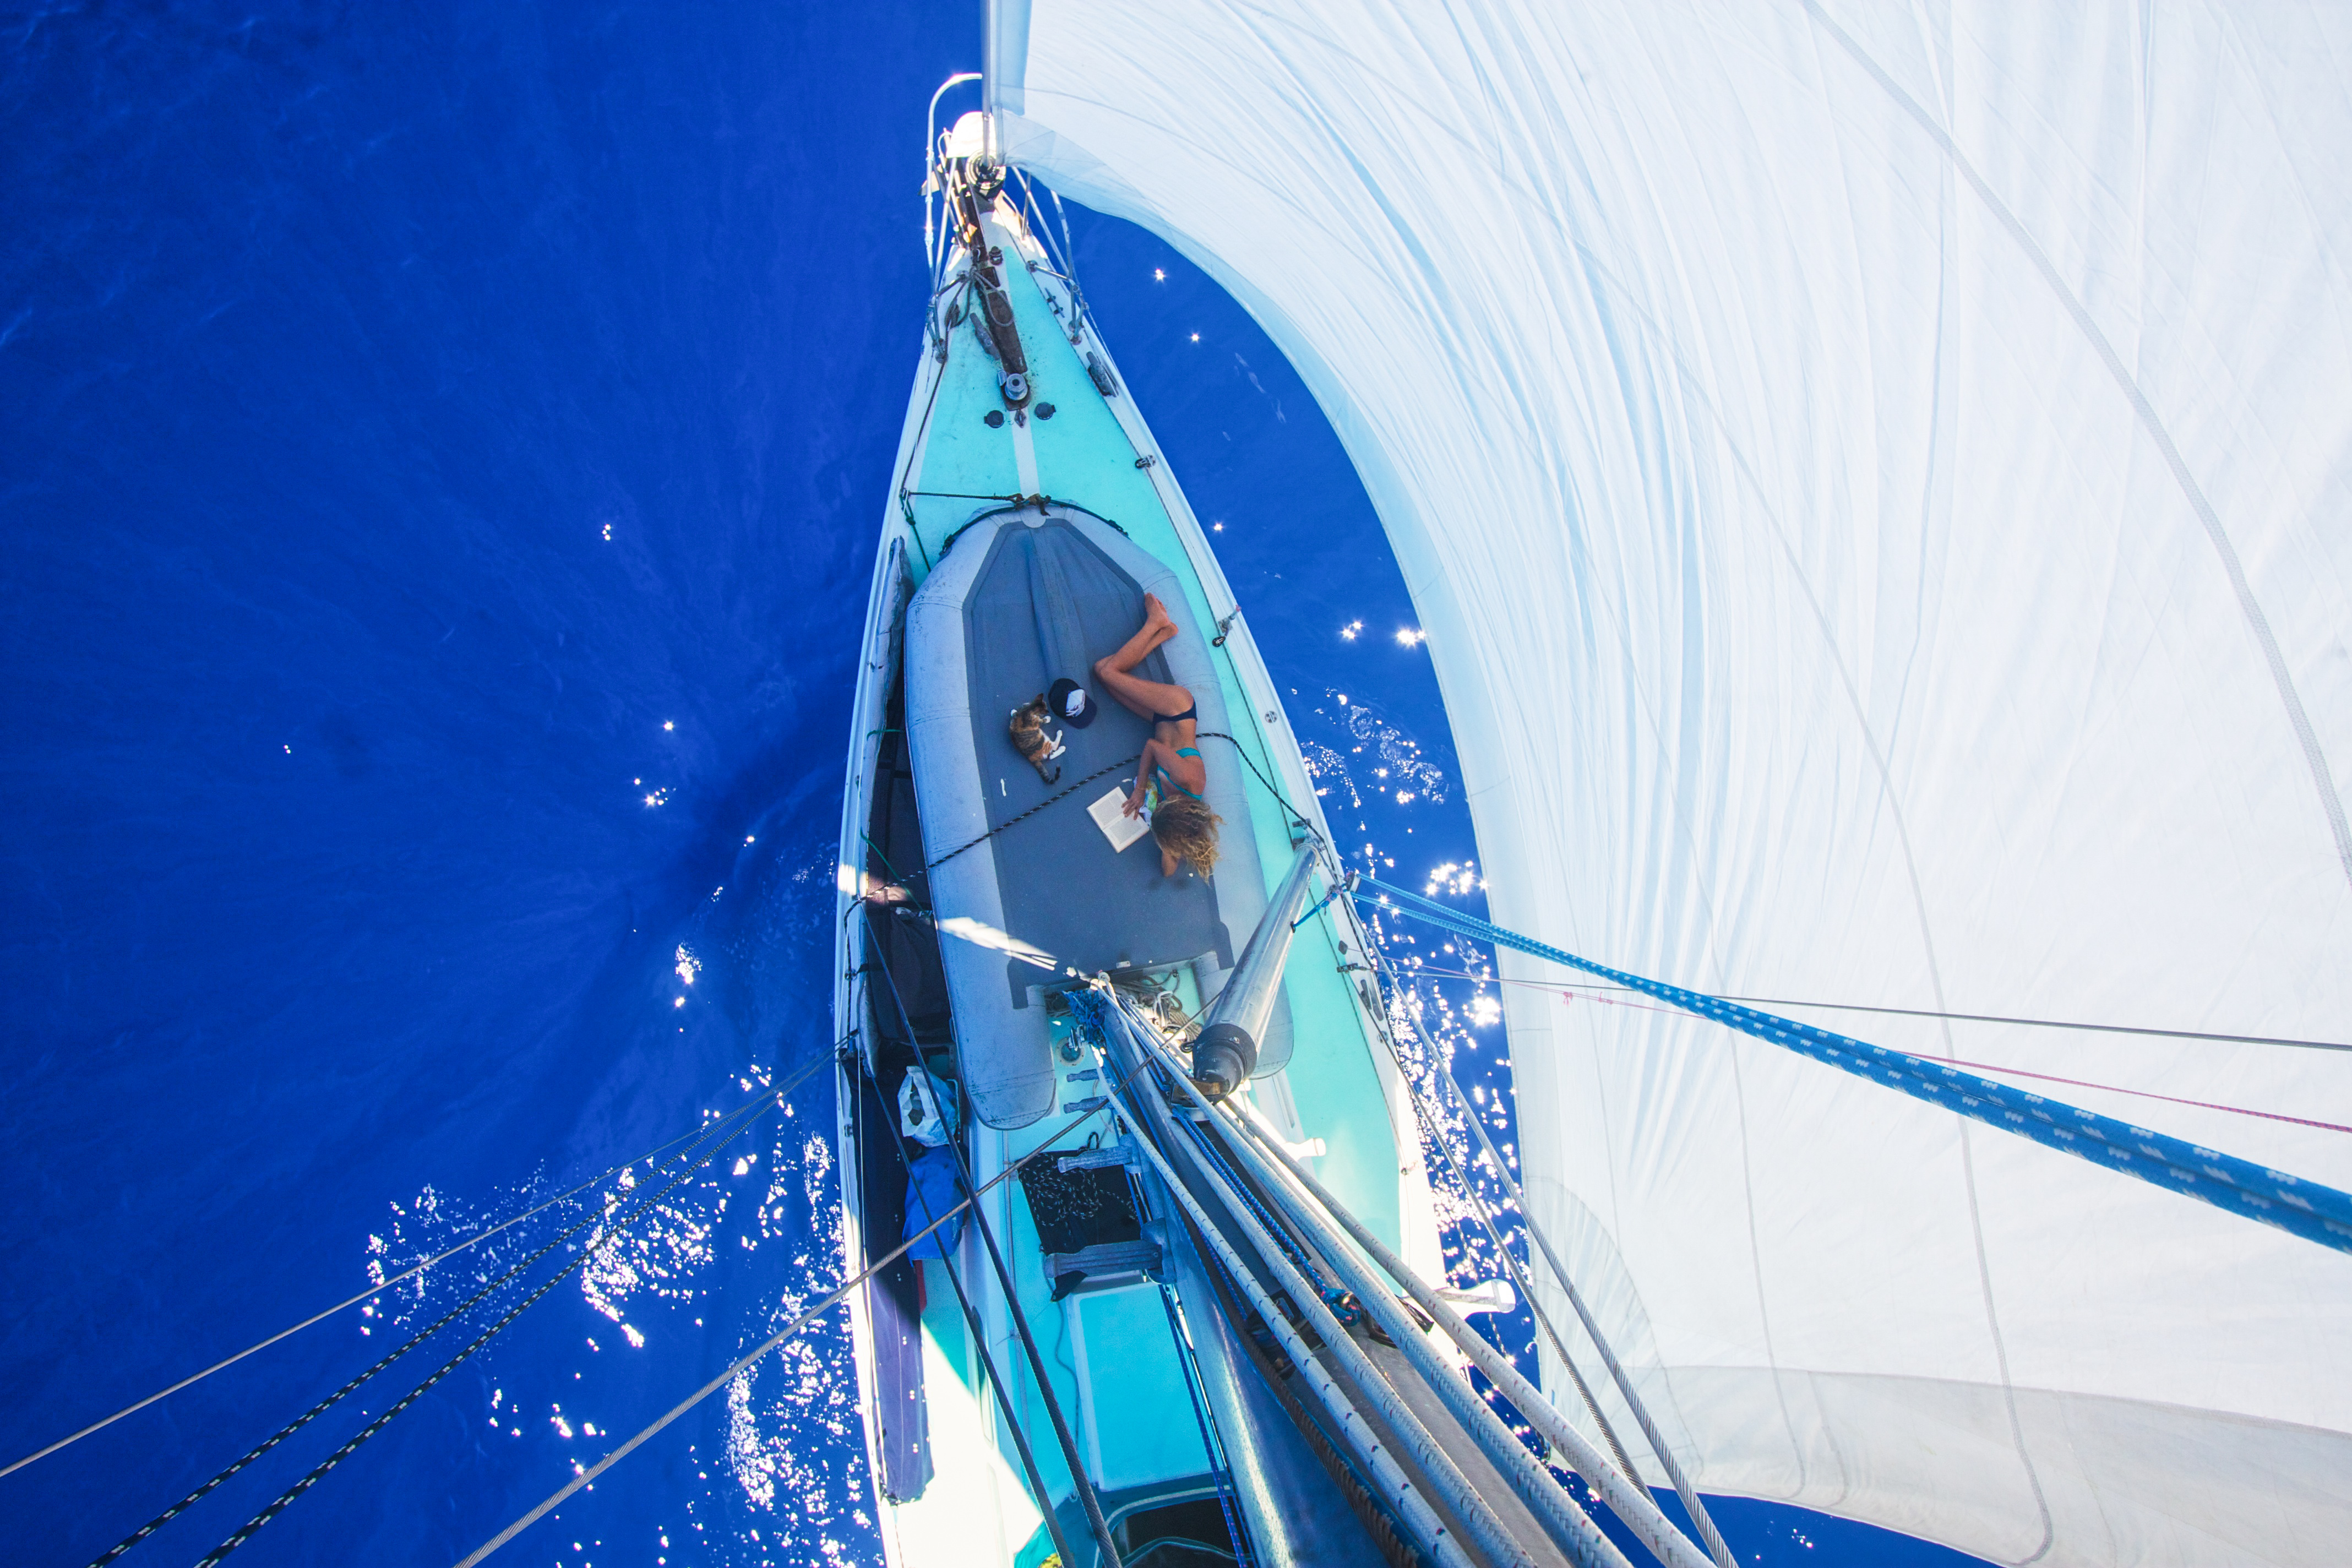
[{"x": 1873, "y": 480}]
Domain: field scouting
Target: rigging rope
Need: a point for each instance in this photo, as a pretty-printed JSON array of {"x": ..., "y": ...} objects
[
  {"x": 1952, "y": 1061},
  {"x": 1220, "y": 1469},
  {"x": 783, "y": 1336},
  {"x": 1427, "y": 1117},
  {"x": 339, "y": 1395},
  {"x": 1709, "y": 1535},
  {"x": 1958, "y": 1018},
  {"x": 2043, "y": 1077},
  {"x": 1035, "y": 1479},
  {"x": 1434, "y": 1133},
  {"x": 375, "y": 1290},
  {"x": 1081, "y": 1482},
  {"x": 741, "y": 1118},
  {"x": 2307, "y": 1209}
]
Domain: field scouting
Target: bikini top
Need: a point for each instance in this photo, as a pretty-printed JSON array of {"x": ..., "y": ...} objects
[{"x": 1171, "y": 778}]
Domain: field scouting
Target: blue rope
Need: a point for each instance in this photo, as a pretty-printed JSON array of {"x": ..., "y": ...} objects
[{"x": 2307, "y": 1209}]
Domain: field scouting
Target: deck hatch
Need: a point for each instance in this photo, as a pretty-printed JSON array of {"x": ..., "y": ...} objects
[{"x": 1088, "y": 1226}]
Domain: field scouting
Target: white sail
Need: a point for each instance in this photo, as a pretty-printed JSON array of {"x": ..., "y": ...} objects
[{"x": 1875, "y": 482}]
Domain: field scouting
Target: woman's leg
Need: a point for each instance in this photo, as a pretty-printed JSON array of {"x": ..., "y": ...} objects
[
  {"x": 1158, "y": 627},
  {"x": 1149, "y": 697},
  {"x": 1140, "y": 696}
]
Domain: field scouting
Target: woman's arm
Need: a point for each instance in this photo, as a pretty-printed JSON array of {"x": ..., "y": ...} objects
[{"x": 1143, "y": 766}]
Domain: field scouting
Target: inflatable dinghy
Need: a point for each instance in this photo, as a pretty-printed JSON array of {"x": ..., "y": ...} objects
[{"x": 1027, "y": 597}]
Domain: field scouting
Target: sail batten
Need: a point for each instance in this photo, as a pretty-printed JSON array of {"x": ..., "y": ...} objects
[{"x": 1873, "y": 480}]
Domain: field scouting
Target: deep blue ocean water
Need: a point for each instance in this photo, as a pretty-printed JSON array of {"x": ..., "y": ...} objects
[{"x": 441, "y": 465}]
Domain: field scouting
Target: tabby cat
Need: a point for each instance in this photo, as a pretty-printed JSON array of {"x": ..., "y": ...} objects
[{"x": 1029, "y": 737}]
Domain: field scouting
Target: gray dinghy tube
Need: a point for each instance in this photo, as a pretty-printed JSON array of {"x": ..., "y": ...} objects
[{"x": 982, "y": 636}]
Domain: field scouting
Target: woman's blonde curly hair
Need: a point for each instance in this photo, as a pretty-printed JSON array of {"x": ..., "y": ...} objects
[{"x": 1187, "y": 829}]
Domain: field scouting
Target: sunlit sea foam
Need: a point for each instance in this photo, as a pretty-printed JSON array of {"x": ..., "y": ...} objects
[{"x": 790, "y": 1483}]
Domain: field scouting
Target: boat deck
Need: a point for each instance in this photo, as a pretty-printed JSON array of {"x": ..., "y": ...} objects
[{"x": 1109, "y": 1346}]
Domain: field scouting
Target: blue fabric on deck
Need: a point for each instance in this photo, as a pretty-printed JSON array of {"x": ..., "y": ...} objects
[{"x": 932, "y": 1191}]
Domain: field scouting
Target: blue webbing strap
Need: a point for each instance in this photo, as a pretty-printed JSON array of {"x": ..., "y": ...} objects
[{"x": 2307, "y": 1209}]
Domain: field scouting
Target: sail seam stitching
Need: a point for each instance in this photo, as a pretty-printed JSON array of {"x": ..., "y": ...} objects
[{"x": 2331, "y": 803}]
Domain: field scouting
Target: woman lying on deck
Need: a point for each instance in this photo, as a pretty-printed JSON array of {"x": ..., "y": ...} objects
[{"x": 1169, "y": 777}]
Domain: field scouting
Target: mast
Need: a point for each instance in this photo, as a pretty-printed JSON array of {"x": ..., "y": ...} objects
[{"x": 1348, "y": 1321}]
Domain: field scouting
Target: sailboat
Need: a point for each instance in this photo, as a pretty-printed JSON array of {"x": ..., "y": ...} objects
[
  {"x": 1118, "y": 1136},
  {"x": 1059, "y": 1364},
  {"x": 1866, "y": 481}
]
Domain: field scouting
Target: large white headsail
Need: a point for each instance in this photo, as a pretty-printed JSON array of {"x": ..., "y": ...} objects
[{"x": 1878, "y": 484}]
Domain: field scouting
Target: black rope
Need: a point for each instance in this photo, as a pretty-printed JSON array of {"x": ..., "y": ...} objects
[
  {"x": 971, "y": 1317},
  {"x": 742, "y": 1117},
  {"x": 1072, "y": 789},
  {"x": 283, "y": 1433},
  {"x": 1062, "y": 794},
  {"x": 1271, "y": 787},
  {"x": 788, "y": 1333},
  {"x": 408, "y": 1273},
  {"x": 931, "y": 405},
  {"x": 285, "y": 1500},
  {"x": 912, "y": 532},
  {"x": 1079, "y": 1479}
]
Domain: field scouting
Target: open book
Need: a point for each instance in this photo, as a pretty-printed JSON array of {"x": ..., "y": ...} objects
[{"x": 1110, "y": 815}]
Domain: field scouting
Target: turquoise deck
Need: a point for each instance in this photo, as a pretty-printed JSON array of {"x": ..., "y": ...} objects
[{"x": 1084, "y": 457}]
